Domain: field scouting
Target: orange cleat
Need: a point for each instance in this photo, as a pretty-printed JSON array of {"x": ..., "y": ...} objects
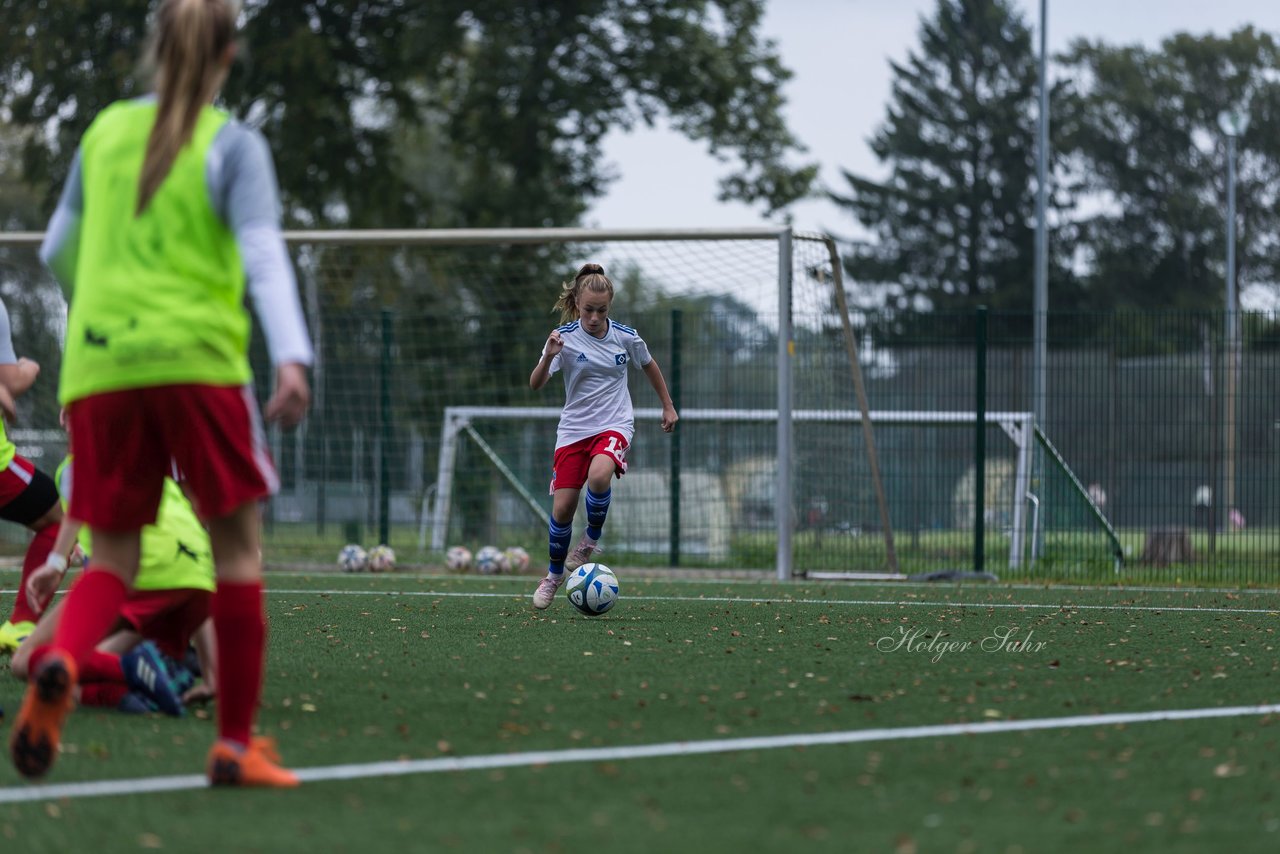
[
  {"x": 255, "y": 765},
  {"x": 37, "y": 730},
  {"x": 266, "y": 745}
]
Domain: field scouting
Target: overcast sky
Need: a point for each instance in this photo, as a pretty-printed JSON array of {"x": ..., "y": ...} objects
[{"x": 839, "y": 51}]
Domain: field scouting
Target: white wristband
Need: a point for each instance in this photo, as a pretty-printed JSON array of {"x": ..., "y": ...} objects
[{"x": 57, "y": 561}]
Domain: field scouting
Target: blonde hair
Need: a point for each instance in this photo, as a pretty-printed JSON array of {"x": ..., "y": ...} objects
[
  {"x": 188, "y": 41},
  {"x": 590, "y": 278}
]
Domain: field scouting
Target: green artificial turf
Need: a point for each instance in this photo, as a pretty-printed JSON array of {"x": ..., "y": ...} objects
[{"x": 368, "y": 668}]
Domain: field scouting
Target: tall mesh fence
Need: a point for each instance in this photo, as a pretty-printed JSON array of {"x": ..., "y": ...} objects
[{"x": 1136, "y": 409}]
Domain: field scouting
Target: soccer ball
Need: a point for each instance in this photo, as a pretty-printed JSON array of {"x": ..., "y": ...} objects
[
  {"x": 352, "y": 558},
  {"x": 490, "y": 560},
  {"x": 517, "y": 559},
  {"x": 382, "y": 559},
  {"x": 458, "y": 559},
  {"x": 592, "y": 589}
]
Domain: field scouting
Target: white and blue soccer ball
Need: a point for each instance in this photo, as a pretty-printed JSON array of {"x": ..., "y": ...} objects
[
  {"x": 457, "y": 559},
  {"x": 490, "y": 560},
  {"x": 517, "y": 559},
  {"x": 592, "y": 589},
  {"x": 353, "y": 558},
  {"x": 382, "y": 558}
]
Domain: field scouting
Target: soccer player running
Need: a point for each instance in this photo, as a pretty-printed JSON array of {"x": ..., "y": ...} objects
[
  {"x": 170, "y": 206},
  {"x": 27, "y": 495},
  {"x": 597, "y": 422}
]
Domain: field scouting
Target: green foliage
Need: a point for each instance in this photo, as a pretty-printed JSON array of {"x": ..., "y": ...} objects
[
  {"x": 433, "y": 114},
  {"x": 1140, "y": 128},
  {"x": 953, "y": 224}
]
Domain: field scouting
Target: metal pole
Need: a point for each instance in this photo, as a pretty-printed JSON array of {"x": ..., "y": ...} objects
[
  {"x": 786, "y": 350},
  {"x": 677, "y": 384},
  {"x": 980, "y": 440},
  {"x": 384, "y": 418},
  {"x": 1229, "y": 484},
  {"x": 1040, "y": 299}
]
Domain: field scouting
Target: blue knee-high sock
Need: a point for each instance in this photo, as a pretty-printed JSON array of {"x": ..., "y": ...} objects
[
  {"x": 558, "y": 545},
  {"x": 597, "y": 509}
]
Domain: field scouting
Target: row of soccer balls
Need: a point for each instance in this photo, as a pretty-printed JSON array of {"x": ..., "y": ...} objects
[
  {"x": 353, "y": 558},
  {"x": 490, "y": 560}
]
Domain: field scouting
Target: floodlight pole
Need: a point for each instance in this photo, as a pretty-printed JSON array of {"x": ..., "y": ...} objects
[
  {"x": 1233, "y": 123},
  {"x": 1040, "y": 294},
  {"x": 1040, "y": 297},
  {"x": 1229, "y": 487}
]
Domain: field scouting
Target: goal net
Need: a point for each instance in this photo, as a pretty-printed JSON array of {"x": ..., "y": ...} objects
[
  {"x": 716, "y": 505},
  {"x": 408, "y": 325}
]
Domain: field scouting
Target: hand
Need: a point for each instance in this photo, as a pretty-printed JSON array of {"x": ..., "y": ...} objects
[
  {"x": 41, "y": 586},
  {"x": 76, "y": 558},
  {"x": 554, "y": 343},
  {"x": 7, "y": 406},
  {"x": 669, "y": 419},
  {"x": 288, "y": 405},
  {"x": 201, "y": 693}
]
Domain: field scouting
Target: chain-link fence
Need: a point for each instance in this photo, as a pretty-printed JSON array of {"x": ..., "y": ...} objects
[{"x": 1144, "y": 455}]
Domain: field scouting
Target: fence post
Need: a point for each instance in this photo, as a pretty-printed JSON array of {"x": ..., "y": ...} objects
[
  {"x": 786, "y": 353},
  {"x": 980, "y": 439},
  {"x": 677, "y": 324},
  {"x": 384, "y": 419}
]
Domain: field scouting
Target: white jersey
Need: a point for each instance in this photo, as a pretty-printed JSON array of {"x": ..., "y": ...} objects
[{"x": 595, "y": 381}]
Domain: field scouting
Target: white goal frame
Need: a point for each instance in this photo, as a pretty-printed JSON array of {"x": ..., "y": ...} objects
[{"x": 1018, "y": 426}]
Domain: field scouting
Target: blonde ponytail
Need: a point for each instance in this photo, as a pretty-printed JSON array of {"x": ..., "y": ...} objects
[
  {"x": 187, "y": 46},
  {"x": 590, "y": 278}
]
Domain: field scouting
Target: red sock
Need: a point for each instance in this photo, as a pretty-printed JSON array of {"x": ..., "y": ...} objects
[
  {"x": 103, "y": 694},
  {"x": 100, "y": 666},
  {"x": 92, "y": 606},
  {"x": 37, "y": 551},
  {"x": 241, "y": 628}
]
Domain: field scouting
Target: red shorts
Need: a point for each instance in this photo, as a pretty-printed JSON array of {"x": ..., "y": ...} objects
[
  {"x": 572, "y": 462},
  {"x": 15, "y": 479},
  {"x": 168, "y": 617},
  {"x": 126, "y": 442}
]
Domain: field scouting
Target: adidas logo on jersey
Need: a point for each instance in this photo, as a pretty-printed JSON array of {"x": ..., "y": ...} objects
[{"x": 582, "y": 357}]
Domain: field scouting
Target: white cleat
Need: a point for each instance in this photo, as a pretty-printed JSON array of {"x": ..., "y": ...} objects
[
  {"x": 582, "y": 554},
  {"x": 546, "y": 591}
]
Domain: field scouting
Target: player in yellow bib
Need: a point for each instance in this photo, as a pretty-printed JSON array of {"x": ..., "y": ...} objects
[
  {"x": 27, "y": 495},
  {"x": 170, "y": 216}
]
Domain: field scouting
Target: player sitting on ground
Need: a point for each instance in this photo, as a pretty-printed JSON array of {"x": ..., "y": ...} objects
[{"x": 168, "y": 607}]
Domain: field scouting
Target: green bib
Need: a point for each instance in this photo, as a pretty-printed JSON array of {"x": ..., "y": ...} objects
[
  {"x": 159, "y": 298},
  {"x": 175, "y": 551},
  {"x": 7, "y": 449}
]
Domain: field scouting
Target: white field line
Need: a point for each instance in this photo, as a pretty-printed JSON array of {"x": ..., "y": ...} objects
[
  {"x": 400, "y": 768},
  {"x": 692, "y": 578},
  {"x": 746, "y": 600},
  {"x": 783, "y": 600},
  {"x": 883, "y": 585}
]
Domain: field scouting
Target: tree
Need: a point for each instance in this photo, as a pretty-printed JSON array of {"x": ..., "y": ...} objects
[
  {"x": 516, "y": 97},
  {"x": 1140, "y": 128},
  {"x": 954, "y": 223}
]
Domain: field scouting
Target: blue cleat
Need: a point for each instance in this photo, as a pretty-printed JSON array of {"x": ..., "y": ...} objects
[
  {"x": 137, "y": 703},
  {"x": 146, "y": 673}
]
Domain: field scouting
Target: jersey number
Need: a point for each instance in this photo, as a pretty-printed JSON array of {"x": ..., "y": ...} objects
[{"x": 612, "y": 448}]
